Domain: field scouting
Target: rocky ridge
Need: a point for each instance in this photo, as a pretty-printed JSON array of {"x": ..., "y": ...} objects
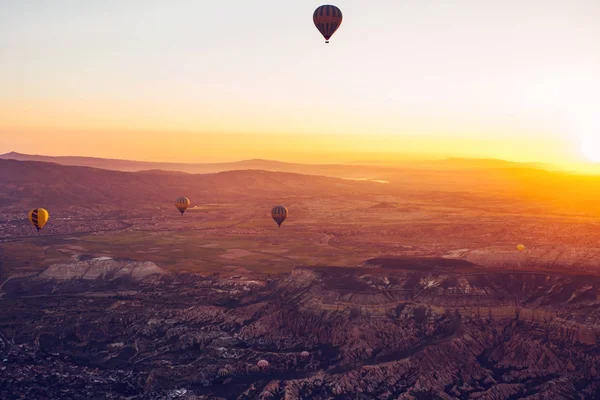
[{"x": 371, "y": 333}]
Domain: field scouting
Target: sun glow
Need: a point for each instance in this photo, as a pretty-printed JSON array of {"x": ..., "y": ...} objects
[{"x": 590, "y": 147}]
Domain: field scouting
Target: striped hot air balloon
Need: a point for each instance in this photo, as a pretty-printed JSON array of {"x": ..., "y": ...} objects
[
  {"x": 279, "y": 214},
  {"x": 327, "y": 19},
  {"x": 182, "y": 203},
  {"x": 38, "y": 217}
]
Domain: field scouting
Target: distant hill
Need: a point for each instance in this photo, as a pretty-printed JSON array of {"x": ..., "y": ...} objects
[
  {"x": 333, "y": 170},
  {"x": 64, "y": 186},
  {"x": 487, "y": 163},
  {"x": 134, "y": 166},
  {"x": 30, "y": 183}
]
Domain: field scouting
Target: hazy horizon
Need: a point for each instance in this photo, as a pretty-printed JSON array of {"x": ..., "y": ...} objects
[
  {"x": 313, "y": 150},
  {"x": 346, "y": 159}
]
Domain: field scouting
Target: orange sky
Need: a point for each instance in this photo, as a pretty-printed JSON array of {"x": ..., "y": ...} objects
[
  {"x": 311, "y": 148},
  {"x": 197, "y": 82}
]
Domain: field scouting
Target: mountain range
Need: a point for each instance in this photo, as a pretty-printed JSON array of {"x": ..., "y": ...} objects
[
  {"x": 28, "y": 177},
  {"x": 335, "y": 170},
  {"x": 24, "y": 182}
]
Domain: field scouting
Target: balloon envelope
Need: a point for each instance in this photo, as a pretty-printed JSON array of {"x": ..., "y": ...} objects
[
  {"x": 38, "y": 217},
  {"x": 520, "y": 247},
  {"x": 182, "y": 203},
  {"x": 279, "y": 214},
  {"x": 327, "y": 19}
]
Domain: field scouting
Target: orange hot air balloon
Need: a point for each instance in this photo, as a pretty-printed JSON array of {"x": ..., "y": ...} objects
[
  {"x": 327, "y": 19},
  {"x": 279, "y": 214}
]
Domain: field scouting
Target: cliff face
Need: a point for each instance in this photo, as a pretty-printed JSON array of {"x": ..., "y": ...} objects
[
  {"x": 102, "y": 268},
  {"x": 369, "y": 333},
  {"x": 485, "y": 335}
]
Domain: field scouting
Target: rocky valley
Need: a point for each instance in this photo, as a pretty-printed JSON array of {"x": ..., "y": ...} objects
[{"x": 389, "y": 329}]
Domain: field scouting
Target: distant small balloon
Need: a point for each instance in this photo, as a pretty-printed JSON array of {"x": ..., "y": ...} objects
[
  {"x": 263, "y": 364},
  {"x": 279, "y": 214},
  {"x": 254, "y": 369},
  {"x": 38, "y": 217},
  {"x": 305, "y": 354},
  {"x": 327, "y": 19},
  {"x": 182, "y": 203},
  {"x": 521, "y": 248},
  {"x": 223, "y": 372}
]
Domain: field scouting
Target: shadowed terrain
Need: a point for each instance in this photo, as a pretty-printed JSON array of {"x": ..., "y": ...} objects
[{"x": 411, "y": 331}]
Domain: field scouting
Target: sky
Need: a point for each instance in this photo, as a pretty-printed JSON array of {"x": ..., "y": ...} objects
[{"x": 196, "y": 80}]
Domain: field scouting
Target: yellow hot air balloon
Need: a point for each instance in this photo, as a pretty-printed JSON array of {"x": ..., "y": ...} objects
[
  {"x": 182, "y": 203},
  {"x": 521, "y": 248},
  {"x": 38, "y": 217},
  {"x": 279, "y": 214}
]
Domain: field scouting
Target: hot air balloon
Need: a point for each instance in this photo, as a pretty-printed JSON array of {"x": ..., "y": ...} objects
[
  {"x": 521, "y": 248},
  {"x": 38, "y": 217},
  {"x": 182, "y": 203},
  {"x": 305, "y": 354},
  {"x": 327, "y": 19},
  {"x": 254, "y": 369},
  {"x": 263, "y": 364},
  {"x": 223, "y": 372},
  {"x": 279, "y": 214}
]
